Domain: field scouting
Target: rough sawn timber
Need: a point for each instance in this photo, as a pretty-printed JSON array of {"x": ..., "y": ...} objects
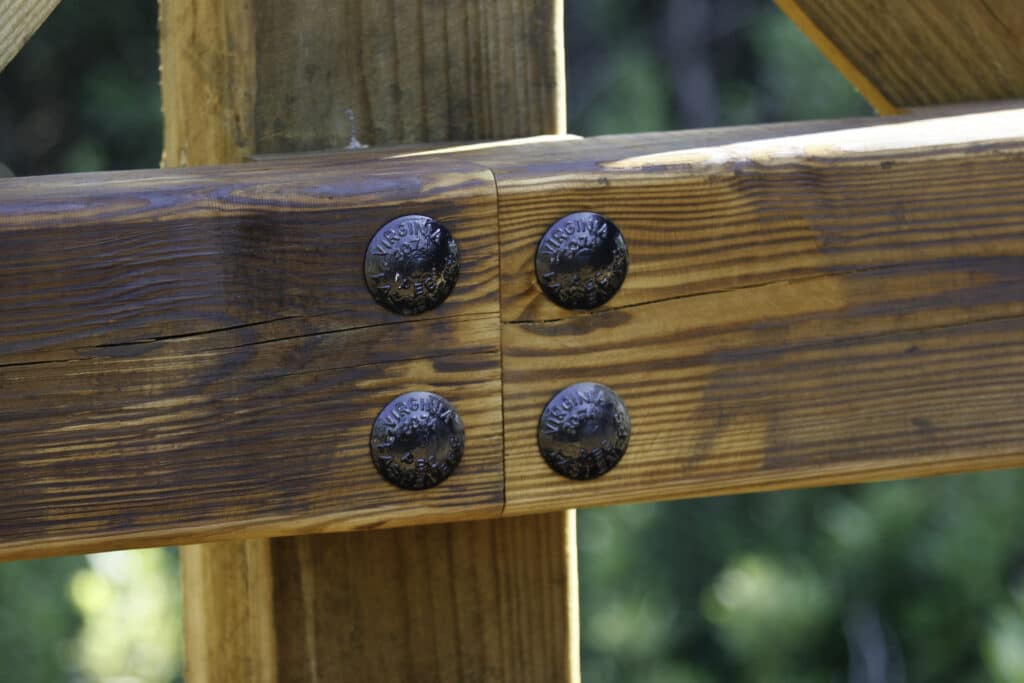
[
  {"x": 800, "y": 310},
  {"x": 927, "y": 52},
  {"x": 491, "y": 600},
  {"x": 19, "y": 20},
  {"x": 807, "y": 304},
  {"x": 193, "y": 348}
]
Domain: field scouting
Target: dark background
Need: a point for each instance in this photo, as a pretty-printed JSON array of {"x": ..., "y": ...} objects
[{"x": 907, "y": 581}]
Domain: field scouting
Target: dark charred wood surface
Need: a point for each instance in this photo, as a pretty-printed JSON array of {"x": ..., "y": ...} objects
[{"x": 192, "y": 354}]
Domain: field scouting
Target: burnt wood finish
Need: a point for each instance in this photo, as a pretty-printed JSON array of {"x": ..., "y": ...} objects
[{"x": 192, "y": 354}]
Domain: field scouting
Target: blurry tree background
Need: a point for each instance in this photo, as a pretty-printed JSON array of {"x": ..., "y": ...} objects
[{"x": 883, "y": 583}]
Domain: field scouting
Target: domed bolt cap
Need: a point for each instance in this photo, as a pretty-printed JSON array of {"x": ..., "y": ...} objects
[
  {"x": 583, "y": 431},
  {"x": 411, "y": 264},
  {"x": 417, "y": 440},
  {"x": 581, "y": 261}
]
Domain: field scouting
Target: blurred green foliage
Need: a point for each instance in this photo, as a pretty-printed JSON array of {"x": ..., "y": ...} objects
[
  {"x": 38, "y": 623},
  {"x": 903, "y": 581},
  {"x": 883, "y": 583},
  {"x": 83, "y": 94},
  {"x": 131, "y": 610}
]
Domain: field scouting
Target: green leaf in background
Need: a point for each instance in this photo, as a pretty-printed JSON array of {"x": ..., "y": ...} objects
[
  {"x": 131, "y": 611},
  {"x": 38, "y": 624}
]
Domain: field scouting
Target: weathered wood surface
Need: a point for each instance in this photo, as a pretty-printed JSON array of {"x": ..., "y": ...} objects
[
  {"x": 474, "y": 601},
  {"x": 906, "y": 54},
  {"x": 193, "y": 353},
  {"x": 806, "y": 310},
  {"x": 115, "y": 259},
  {"x": 19, "y": 20},
  {"x": 838, "y": 306},
  {"x": 492, "y": 600},
  {"x": 334, "y": 74}
]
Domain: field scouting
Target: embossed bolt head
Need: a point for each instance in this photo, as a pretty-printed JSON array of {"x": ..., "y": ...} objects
[
  {"x": 417, "y": 440},
  {"x": 583, "y": 431},
  {"x": 581, "y": 261},
  {"x": 411, "y": 264}
]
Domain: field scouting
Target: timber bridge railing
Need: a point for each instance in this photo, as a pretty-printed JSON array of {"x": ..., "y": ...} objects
[{"x": 490, "y": 334}]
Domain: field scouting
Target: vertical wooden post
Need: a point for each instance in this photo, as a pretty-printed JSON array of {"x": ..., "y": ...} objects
[{"x": 478, "y": 601}]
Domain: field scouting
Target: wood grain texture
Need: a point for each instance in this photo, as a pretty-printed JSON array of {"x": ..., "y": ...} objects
[
  {"x": 446, "y": 602},
  {"x": 294, "y": 75},
  {"x": 806, "y": 310},
  {"x": 146, "y": 256},
  {"x": 857, "y": 78},
  {"x": 488, "y": 601},
  {"x": 193, "y": 354},
  {"x": 905, "y": 54},
  {"x": 198, "y": 357},
  {"x": 248, "y": 604},
  {"x": 19, "y": 20}
]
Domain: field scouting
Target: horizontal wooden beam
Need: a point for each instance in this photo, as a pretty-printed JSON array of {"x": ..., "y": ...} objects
[
  {"x": 192, "y": 353},
  {"x": 189, "y": 355}
]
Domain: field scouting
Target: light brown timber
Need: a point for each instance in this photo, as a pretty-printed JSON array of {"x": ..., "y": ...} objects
[
  {"x": 339, "y": 74},
  {"x": 805, "y": 310},
  {"x": 19, "y": 20},
  {"x": 340, "y": 598},
  {"x": 344, "y": 74},
  {"x": 906, "y": 54}
]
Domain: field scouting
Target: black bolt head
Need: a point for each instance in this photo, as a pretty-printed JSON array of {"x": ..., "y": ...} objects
[
  {"x": 411, "y": 264},
  {"x": 583, "y": 431},
  {"x": 581, "y": 261},
  {"x": 417, "y": 440}
]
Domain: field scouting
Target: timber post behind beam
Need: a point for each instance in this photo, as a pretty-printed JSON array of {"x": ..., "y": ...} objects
[{"x": 489, "y": 600}]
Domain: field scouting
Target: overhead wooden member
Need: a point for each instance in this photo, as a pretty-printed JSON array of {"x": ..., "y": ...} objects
[
  {"x": 19, "y": 20},
  {"x": 908, "y": 54}
]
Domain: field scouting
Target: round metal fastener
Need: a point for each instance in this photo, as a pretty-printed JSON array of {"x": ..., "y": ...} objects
[
  {"x": 417, "y": 440},
  {"x": 581, "y": 261},
  {"x": 411, "y": 264},
  {"x": 583, "y": 431}
]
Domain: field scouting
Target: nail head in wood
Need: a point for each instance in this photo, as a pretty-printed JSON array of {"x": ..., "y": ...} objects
[
  {"x": 583, "y": 431},
  {"x": 411, "y": 264},
  {"x": 417, "y": 440},
  {"x": 581, "y": 260}
]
